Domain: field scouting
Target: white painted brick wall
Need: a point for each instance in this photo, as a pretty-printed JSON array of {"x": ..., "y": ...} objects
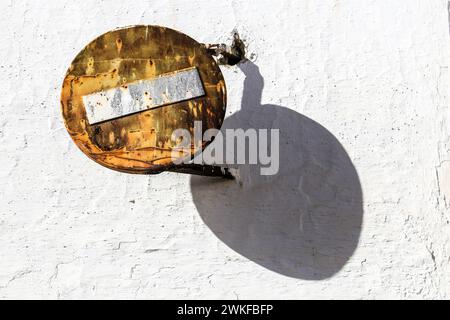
[{"x": 374, "y": 73}]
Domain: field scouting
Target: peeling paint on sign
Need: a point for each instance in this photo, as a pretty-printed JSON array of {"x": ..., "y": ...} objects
[{"x": 142, "y": 95}]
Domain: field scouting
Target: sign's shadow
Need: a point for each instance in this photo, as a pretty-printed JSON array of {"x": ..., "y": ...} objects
[{"x": 303, "y": 222}]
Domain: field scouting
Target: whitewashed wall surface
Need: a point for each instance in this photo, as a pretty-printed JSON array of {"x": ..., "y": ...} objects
[{"x": 360, "y": 208}]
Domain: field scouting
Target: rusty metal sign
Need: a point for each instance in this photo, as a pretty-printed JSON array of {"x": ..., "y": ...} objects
[{"x": 129, "y": 89}]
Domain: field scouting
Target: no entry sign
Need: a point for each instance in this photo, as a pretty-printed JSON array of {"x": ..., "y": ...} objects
[{"x": 129, "y": 89}]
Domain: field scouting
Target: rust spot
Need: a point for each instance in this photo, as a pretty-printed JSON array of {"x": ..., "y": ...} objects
[{"x": 119, "y": 44}]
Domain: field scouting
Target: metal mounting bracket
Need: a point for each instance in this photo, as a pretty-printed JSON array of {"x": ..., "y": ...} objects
[
  {"x": 228, "y": 54},
  {"x": 203, "y": 170}
]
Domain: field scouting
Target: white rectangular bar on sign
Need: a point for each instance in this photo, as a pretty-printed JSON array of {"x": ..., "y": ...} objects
[{"x": 143, "y": 95}]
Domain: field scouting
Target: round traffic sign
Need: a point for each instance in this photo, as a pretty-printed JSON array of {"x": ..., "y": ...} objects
[{"x": 128, "y": 90}]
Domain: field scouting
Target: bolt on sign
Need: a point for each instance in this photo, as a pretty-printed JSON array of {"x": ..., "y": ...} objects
[{"x": 128, "y": 90}]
